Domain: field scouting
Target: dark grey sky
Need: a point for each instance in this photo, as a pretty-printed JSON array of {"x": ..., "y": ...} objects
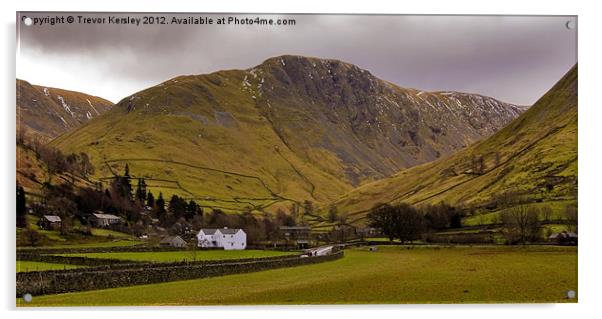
[{"x": 515, "y": 58}]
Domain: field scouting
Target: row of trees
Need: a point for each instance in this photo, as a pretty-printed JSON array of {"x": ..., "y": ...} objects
[
  {"x": 523, "y": 223},
  {"x": 56, "y": 161},
  {"x": 407, "y": 223}
]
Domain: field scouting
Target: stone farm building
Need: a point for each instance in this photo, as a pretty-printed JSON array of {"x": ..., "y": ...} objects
[
  {"x": 227, "y": 238},
  {"x": 173, "y": 241},
  {"x": 50, "y": 222},
  {"x": 298, "y": 236},
  {"x": 100, "y": 219}
]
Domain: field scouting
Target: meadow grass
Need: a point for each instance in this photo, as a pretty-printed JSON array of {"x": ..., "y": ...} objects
[
  {"x": 53, "y": 239},
  {"x": 25, "y": 266},
  {"x": 390, "y": 275},
  {"x": 188, "y": 255}
]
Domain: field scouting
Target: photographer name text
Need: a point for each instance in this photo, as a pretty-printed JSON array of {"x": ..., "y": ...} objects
[{"x": 157, "y": 20}]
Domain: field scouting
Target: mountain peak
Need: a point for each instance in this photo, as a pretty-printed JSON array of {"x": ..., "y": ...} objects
[
  {"x": 292, "y": 59},
  {"x": 299, "y": 62}
]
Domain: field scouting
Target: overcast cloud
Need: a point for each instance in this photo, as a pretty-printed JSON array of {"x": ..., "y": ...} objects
[{"x": 515, "y": 59}]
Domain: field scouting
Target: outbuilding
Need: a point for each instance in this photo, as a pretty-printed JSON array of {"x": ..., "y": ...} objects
[
  {"x": 564, "y": 238},
  {"x": 51, "y": 222},
  {"x": 100, "y": 219},
  {"x": 173, "y": 241}
]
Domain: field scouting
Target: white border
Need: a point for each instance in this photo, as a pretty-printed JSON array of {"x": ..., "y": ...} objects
[{"x": 590, "y": 177}]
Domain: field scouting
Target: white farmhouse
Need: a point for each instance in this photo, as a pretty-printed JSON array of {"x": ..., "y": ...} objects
[{"x": 227, "y": 238}]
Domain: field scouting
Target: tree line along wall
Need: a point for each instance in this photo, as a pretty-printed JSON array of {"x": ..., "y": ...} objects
[{"x": 53, "y": 282}]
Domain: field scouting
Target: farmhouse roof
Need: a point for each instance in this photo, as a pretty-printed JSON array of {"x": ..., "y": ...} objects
[
  {"x": 52, "y": 218},
  {"x": 105, "y": 216},
  {"x": 208, "y": 231},
  {"x": 563, "y": 234},
  {"x": 225, "y": 231},
  {"x": 229, "y": 231}
]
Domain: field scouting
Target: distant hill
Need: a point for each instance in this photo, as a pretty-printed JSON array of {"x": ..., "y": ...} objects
[
  {"x": 534, "y": 156},
  {"x": 290, "y": 129},
  {"x": 50, "y": 112}
]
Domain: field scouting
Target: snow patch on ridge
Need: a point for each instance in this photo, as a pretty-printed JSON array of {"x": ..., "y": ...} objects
[
  {"x": 66, "y": 106},
  {"x": 92, "y": 106}
]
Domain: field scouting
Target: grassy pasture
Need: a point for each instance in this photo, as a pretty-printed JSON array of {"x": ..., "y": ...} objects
[
  {"x": 53, "y": 238},
  {"x": 389, "y": 275},
  {"x": 492, "y": 217},
  {"x": 25, "y": 266},
  {"x": 174, "y": 256}
]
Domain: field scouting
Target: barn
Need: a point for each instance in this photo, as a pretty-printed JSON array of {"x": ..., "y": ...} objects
[
  {"x": 173, "y": 241},
  {"x": 100, "y": 219},
  {"x": 226, "y": 238},
  {"x": 52, "y": 222}
]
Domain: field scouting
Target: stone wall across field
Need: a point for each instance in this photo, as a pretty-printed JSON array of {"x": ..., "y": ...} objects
[
  {"x": 116, "y": 249},
  {"x": 53, "y": 282},
  {"x": 73, "y": 260},
  {"x": 84, "y": 250},
  {"x": 105, "y": 263}
]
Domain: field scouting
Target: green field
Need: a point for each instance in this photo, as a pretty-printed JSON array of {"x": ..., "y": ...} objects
[
  {"x": 75, "y": 239},
  {"x": 389, "y": 275},
  {"x": 25, "y": 266},
  {"x": 173, "y": 256}
]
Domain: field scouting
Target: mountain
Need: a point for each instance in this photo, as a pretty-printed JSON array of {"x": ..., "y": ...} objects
[
  {"x": 534, "y": 156},
  {"x": 290, "y": 129},
  {"x": 50, "y": 112}
]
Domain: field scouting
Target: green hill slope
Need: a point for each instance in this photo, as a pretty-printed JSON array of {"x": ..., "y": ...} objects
[
  {"x": 288, "y": 130},
  {"x": 535, "y": 155}
]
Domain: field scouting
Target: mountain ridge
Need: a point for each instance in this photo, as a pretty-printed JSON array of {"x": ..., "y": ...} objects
[
  {"x": 308, "y": 128},
  {"x": 49, "y": 112},
  {"x": 535, "y": 156}
]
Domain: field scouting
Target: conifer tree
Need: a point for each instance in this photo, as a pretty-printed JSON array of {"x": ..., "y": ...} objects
[{"x": 21, "y": 207}]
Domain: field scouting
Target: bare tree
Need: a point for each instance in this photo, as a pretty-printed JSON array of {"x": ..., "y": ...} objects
[
  {"x": 521, "y": 223},
  {"x": 33, "y": 237},
  {"x": 546, "y": 213},
  {"x": 570, "y": 215}
]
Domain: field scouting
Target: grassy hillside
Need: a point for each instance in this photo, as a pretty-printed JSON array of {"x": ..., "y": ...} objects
[
  {"x": 535, "y": 155},
  {"x": 288, "y": 130},
  {"x": 202, "y": 154}
]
